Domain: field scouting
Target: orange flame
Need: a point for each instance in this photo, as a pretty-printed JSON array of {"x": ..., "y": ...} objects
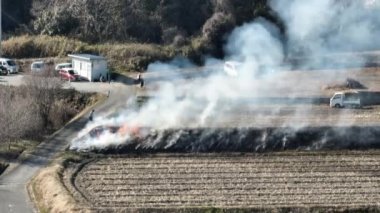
[{"x": 127, "y": 129}]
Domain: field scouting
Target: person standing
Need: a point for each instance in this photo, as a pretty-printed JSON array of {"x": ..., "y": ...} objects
[
  {"x": 91, "y": 117},
  {"x": 140, "y": 80}
]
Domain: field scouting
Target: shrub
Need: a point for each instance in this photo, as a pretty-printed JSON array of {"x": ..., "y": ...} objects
[
  {"x": 40, "y": 46},
  {"x": 18, "y": 114},
  {"x": 121, "y": 57}
]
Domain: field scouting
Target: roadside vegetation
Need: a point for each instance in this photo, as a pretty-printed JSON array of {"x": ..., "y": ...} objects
[
  {"x": 33, "y": 111},
  {"x": 122, "y": 57}
]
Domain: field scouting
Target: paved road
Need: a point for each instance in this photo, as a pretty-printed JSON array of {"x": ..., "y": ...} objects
[{"x": 13, "y": 193}]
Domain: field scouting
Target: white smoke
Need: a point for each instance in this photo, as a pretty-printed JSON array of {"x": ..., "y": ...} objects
[
  {"x": 320, "y": 27},
  {"x": 313, "y": 28}
]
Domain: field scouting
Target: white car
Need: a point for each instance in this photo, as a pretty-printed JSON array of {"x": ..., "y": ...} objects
[
  {"x": 62, "y": 66},
  {"x": 232, "y": 68},
  {"x": 10, "y": 65},
  {"x": 37, "y": 66}
]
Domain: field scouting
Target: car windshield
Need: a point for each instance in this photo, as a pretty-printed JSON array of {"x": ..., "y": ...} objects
[
  {"x": 11, "y": 63},
  {"x": 65, "y": 66},
  {"x": 37, "y": 65},
  {"x": 72, "y": 72}
]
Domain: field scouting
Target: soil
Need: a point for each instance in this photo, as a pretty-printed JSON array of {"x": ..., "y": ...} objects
[{"x": 287, "y": 181}]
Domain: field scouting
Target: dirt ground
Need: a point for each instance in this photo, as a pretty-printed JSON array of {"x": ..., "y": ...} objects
[
  {"x": 188, "y": 182},
  {"x": 286, "y": 98}
]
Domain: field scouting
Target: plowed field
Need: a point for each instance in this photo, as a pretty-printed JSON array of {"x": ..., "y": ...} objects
[{"x": 343, "y": 180}]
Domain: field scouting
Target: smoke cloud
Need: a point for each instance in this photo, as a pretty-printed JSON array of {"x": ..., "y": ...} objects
[
  {"x": 318, "y": 28},
  {"x": 256, "y": 96}
]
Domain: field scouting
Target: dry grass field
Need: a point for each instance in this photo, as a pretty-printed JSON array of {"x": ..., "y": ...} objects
[{"x": 306, "y": 181}]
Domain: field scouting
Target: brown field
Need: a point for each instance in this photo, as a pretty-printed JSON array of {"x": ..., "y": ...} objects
[{"x": 294, "y": 180}]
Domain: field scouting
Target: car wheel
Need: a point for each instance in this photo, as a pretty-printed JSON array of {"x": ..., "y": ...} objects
[{"x": 337, "y": 105}]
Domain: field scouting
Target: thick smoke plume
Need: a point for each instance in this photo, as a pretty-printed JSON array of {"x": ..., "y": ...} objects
[{"x": 314, "y": 28}]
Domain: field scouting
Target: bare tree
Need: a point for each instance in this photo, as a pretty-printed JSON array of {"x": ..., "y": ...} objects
[
  {"x": 17, "y": 115},
  {"x": 44, "y": 90}
]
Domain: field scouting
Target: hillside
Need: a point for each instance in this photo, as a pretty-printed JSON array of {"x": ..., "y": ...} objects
[
  {"x": 147, "y": 21},
  {"x": 192, "y": 29}
]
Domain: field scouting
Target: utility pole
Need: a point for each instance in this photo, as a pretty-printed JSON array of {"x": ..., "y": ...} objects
[{"x": 1, "y": 27}]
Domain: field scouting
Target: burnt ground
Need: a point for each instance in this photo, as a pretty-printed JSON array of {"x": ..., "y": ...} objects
[{"x": 251, "y": 140}]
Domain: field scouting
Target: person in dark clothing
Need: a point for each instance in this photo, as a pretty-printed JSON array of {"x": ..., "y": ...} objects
[
  {"x": 91, "y": 118},
  {"x": 142, "y": 83},
  {"x": 140, "y": 80}
]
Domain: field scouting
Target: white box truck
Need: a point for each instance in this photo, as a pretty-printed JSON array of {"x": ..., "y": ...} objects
[{"x": 348, "y": 99}]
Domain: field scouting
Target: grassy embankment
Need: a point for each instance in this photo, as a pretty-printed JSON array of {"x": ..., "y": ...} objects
[
  {"x": 121, "y": 57},
  {"x": 47, "y": 190}
]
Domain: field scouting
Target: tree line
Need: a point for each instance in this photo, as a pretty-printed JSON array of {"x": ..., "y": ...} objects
[{"x": 144, "y": 21}]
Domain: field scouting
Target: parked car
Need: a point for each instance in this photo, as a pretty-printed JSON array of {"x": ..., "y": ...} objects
[
  {"x": 58, "y": 67},
  {"x": 69, "y": 74},
  {"x": 3, "y": 70},
  {"x": 232, "y": 68},
  {"x": 346, "y": 99},
  {"x": 37, "y": 66},
  {"x": 10, "y": 65}
]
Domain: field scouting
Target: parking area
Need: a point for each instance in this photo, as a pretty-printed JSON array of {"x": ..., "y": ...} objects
[{"x": 17, "y": 80}]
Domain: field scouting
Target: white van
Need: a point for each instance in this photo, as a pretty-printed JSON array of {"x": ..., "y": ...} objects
[
  {"x": 10, "y": 65},
  {"x": 345, "y": 99},
  {"x": 37, "y": 66}
]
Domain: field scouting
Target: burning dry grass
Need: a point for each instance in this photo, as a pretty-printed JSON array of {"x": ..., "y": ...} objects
[
  {"x": 197, "y": 183},
  {"x": 251, "y": 140}
]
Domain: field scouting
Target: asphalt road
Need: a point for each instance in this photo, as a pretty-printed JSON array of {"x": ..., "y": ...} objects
[{"x": 13, "y": 193}]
